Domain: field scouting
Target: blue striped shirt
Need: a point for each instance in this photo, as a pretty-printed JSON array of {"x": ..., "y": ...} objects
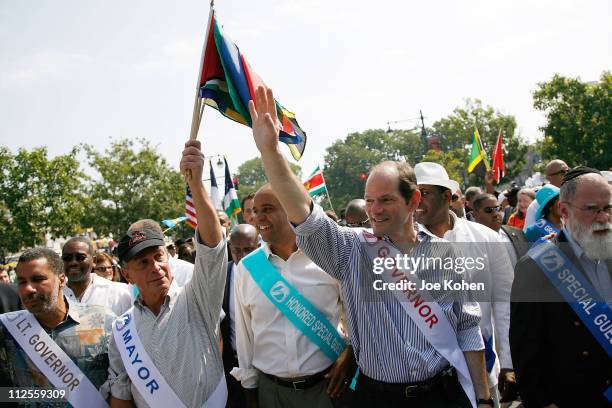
[{"x": 388, "y": 345}]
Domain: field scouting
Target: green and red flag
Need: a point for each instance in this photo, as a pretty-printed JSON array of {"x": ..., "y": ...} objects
[
  {"x": 478, "y": 162},
  {"x": 315, "y": 183},
  {"x": 227, "y": 83}
]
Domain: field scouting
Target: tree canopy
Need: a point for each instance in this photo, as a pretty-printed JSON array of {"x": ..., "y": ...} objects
[
  {"x": 38, "y": 196},
  {"x": 132, "y": 184},
  {"x": 578, "y": 120},
  {"x": 348, "y": 161}
]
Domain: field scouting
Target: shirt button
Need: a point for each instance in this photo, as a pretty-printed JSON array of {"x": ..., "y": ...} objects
[
  {"x": 577, "y": 323},
  {"x": 585, "y": 354}
]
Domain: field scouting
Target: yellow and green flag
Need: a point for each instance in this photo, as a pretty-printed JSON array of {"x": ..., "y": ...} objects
[{"x": 478, "y": 162}]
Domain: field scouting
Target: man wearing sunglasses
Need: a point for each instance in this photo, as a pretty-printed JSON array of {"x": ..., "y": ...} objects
[
  {"x": 561, "y": 321},
  {"x": 438, "y": 221},
  {"x": 488, "y": 212},
  {"x": 554, "y": 172},
  {"x": 84, "y": 285}
]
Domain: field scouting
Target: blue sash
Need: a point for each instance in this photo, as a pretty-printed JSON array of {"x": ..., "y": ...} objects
[
  {"x": 542, "y": 227},
  {"x": 595, "y": 315},
  {"x": 303, "y": 314}
]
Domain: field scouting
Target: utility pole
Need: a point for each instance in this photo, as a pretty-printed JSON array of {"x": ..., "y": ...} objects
[{"x": 423, "y": 133}]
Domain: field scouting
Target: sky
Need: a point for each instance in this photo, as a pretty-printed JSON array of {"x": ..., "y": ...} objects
[{"x": 74, "y": 71}]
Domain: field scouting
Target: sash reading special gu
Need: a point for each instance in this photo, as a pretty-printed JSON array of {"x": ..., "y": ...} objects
[
  {"x": 423, "y": 310},
  {"x": 145, "y": 376},
  {"x": 577, "y": 291},
  {"x": 51, "y": 360}
]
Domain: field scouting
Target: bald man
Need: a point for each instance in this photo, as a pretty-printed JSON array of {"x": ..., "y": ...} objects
[
  {"x": 554, "y": 172},
  {"x": 355, "y": 214},
  {"x": 243, "y": 240}
]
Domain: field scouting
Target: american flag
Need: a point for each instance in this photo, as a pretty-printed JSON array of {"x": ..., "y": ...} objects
[{"x": 190, "y": 211}]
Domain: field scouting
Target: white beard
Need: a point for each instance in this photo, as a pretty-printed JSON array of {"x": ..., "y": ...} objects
[{"x": 596, "y": 247}]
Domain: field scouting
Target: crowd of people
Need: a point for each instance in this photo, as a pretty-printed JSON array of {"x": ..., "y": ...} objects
[{"x": 283, "y": 310}]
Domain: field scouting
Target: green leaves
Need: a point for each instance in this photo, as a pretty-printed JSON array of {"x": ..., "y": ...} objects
[
  {"x": 348, "y": 160},
  {"x": 132, "y": 184},
  {"x": 251, "y": 175},
  {"x": 456, "y": 131},
  {"x": 39, "y": 196},
  {"x": 579, "y": 120}
]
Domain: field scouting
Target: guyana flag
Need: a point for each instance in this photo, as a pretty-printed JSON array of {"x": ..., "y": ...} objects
[
  {"x": 478, "y": 162},
  {"x": 315, "y": 183},
  {"x": 227, "y": 83}
]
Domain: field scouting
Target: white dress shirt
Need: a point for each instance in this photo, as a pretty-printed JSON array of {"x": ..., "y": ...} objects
[
  {"x": 265, "y": 339},
  {"x": 115, "y": 296},
  {"x": 498, "y": 277}
]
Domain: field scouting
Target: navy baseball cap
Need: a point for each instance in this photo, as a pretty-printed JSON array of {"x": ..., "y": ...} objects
[{"x": 138, "y": 240}]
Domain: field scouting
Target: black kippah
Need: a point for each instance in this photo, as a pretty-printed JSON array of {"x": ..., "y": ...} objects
[{"x": 577, "y": 172}]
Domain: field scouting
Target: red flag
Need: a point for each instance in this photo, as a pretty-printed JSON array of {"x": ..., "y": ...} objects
[{"x": 499, "y": 167}]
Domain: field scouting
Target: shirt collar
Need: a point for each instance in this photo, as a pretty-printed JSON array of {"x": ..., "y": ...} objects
[
  {"x": 424, "y": 232},
  {"x": 73, "y": 312},
  {"x": 269, "y": 253},
  {"x": 168, "y": 300}
]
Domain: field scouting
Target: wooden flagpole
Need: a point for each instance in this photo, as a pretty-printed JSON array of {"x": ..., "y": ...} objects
[{"x": 198, "y": 105}]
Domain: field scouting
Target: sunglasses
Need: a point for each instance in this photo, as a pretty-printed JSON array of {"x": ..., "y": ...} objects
[
  {"x": 489, "y": 210},
  {"x": 70, "y": 257},
  {"x": 454, "y": 197}
]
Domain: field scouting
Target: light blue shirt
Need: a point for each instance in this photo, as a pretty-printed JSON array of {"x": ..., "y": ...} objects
[{"x": 597, "y": 271}]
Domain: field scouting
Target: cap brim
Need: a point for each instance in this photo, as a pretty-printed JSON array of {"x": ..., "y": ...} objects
[{"x": 142, "y": 246}]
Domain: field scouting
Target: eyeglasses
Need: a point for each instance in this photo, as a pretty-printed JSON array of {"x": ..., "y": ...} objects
[
  {"x": 489, "y": 210},
  {"x": 102, "y": 268},
  {"x": 454, "y": 197},
  {"x": 70, "y": 257},
  {"x": 556, "y": 173},
  {"x": 592, "y": 209}
]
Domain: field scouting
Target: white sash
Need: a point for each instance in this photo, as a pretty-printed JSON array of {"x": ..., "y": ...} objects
[
  {"x": 144, "y": 375},
  {"x": 423, "y": 310},
  {"x": 51, "y": 360}
]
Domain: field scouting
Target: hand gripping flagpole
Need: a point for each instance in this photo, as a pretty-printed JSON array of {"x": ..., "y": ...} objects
[{"x": 198, "y": 104}]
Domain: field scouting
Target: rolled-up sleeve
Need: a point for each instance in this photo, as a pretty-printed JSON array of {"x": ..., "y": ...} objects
[{"x": 208, "y": 281}]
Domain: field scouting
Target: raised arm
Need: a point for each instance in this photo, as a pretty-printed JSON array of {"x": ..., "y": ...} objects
[
  {"x": 192, "y": 165},
  {"x": 287, "y": 187}
]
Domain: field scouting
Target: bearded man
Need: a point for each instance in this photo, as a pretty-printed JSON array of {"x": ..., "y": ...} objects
[
  {"x": 561, "y": 323},
  {"x": 55, "y": 342}
]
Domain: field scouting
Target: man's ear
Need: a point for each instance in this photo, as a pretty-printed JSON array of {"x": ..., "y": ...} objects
[{"x": 62, "y": 281}]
